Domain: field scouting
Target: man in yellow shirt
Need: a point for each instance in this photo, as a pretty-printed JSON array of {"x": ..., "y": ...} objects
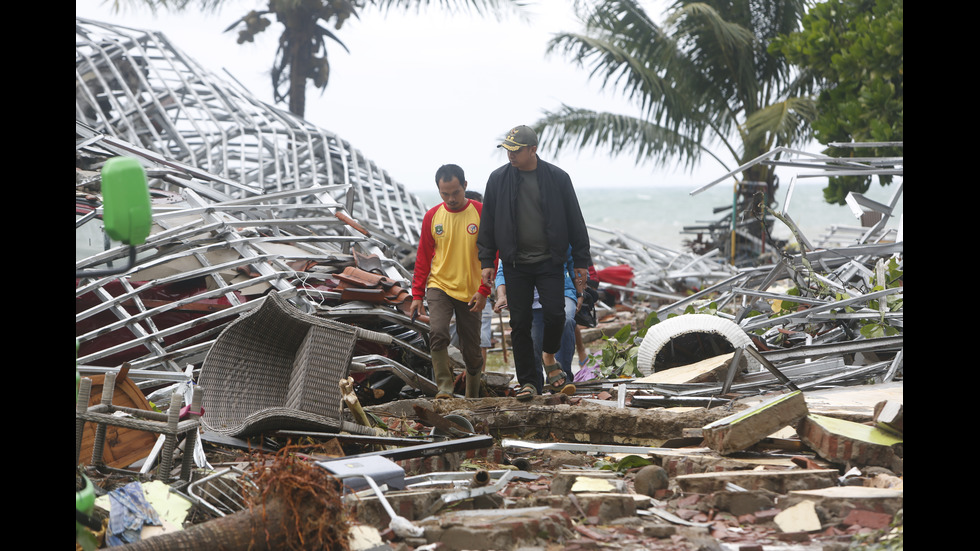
[{"x": 447, "y": 276}]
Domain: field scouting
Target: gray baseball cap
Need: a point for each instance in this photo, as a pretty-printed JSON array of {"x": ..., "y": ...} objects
[{"x": 518, "y": 137}]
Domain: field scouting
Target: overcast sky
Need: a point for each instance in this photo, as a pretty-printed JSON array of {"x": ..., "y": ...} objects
[{"x": 419, "y": 91}]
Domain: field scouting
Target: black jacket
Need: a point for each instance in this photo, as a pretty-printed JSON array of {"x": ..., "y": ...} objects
[{"x": 564, "y": 223}]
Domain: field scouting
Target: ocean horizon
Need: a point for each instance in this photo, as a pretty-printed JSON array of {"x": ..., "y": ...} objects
[{"x": 659, "y": 214}]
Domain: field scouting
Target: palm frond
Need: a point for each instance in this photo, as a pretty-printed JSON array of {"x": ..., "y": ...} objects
[
  {"x": 624, "y": 50},
  {"x": 329, "y": 34},
  {"x": 782, "y": 123},
  {"x": 578, "y": 129}
]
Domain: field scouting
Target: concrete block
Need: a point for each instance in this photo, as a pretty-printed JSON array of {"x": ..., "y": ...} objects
[
  {"x": 602, "y": 507},
  {"x": 849, "y": 443},
  {"x": 745, "y": 428},
  {"x": 890, "y": 416},
  {"x": 486, "y": 529},
  {"x": 742, "y": 503},
  {"x": 407, "y": 503},
  {"x": 801, "y": 517},
  {"x": 775, "y": 481}
]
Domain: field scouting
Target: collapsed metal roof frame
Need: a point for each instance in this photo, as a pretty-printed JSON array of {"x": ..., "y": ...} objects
[
  {"x": 262, "y": 201},
  {"x": 824, "y": 166},
  {"x": 135, "y": 86}
]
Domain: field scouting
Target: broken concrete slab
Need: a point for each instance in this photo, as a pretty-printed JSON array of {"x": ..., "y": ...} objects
[
  {"x": 855, "y": 403},
  {"x": 743, "y": 429},
  {"x": 839, "y": 501},
  {"x": 845, "y": 442},
  {"x": 704, "y": 460},
  {"x": 890, "y": 416},
  {"x": 569, "y": 420},
  {"x": 776, "y": 481}
]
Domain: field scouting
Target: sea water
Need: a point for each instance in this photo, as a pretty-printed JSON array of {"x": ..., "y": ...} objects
[{"x": 659, "y": 214}]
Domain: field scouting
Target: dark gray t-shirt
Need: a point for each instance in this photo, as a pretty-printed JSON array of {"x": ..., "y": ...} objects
[{"x": 532, "y": 245}]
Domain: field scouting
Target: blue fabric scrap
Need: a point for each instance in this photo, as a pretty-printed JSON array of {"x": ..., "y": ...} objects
[{"x": 128, "y": 512}]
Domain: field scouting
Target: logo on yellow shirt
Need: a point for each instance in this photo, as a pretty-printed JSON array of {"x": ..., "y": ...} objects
[
  {"x": 439, "y": 229},
  {"x": 472, "y": 228}
]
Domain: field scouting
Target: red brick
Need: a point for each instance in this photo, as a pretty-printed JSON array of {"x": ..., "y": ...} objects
[
  {"x": 746, "y": 519},
  {"x": 868, "y": 519}
]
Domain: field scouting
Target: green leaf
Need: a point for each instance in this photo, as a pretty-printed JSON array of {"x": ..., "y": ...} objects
[
  {"x": 632, "y": 462},
  {"x": 872, "y": 331},
  {"x": 86, "y": 539},
  {"x": 651, "y": 320},
  {"x": 623, "y": 333},
  {"x": 605, "y": 465}
]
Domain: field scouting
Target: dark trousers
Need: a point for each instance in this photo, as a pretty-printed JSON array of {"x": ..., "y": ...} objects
[{"x": 521, "y": 280}]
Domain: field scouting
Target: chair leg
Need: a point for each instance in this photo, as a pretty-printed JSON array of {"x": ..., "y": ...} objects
[
  {"x": 170, "y": 443},
  {"x": 81, "y": 405},
  {"x": 98, "y": 446}
]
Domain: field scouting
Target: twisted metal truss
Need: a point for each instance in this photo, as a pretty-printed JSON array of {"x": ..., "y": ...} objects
[
  {"x": 134, "y": 85},
  {"x": 248, "y": 200}
]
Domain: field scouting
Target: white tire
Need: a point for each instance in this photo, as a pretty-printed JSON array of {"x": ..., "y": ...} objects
[{"x": 662, "y": 333}]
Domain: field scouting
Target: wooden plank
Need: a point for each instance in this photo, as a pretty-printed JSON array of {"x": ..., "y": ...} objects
[{"x": 709, "y": 370}]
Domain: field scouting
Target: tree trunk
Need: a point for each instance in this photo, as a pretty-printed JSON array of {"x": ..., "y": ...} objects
[
  {"x": 253, "y": 530},
  {"x": 300, "y": 60}
]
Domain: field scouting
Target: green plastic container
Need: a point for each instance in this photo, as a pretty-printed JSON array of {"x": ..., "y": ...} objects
[{"x": 126, "y": 211}]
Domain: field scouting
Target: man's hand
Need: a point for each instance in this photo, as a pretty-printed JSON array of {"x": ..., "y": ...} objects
[
  {"x": 581, "y": 276},
  {"x": 478, "y": 302},
  {"x": 488, "y": 277},
  {"x": 501, "y": 299},
  {"x": 416, "y": 309}
]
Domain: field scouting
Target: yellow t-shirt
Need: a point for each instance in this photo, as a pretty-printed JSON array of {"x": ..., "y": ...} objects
[{"x": 447, "y": 256}]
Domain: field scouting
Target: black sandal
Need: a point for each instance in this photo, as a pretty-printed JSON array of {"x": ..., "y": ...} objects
[
  {"x": 526, "y": 392},
  {"x": 557, "y": 381}
]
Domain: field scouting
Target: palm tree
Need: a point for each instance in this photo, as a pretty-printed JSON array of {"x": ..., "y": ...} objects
[
  {"x": 703, "y": 82},
  {"x": 302, "y": 51}
]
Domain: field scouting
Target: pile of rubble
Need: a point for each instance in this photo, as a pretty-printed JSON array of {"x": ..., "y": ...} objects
[
  {"x": 263, "y": 321},
  {"x": 776, "y": 420}
]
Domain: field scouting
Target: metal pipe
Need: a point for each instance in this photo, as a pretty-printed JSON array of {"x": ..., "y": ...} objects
[{"x": 480, "y": 478}]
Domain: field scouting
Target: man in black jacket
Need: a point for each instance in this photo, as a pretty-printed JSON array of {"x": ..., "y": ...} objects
[{"x": 530, "y": 217}]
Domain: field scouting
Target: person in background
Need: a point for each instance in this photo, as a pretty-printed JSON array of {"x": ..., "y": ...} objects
[
  {"x": 486, "y": 329},
  {"x": 567, "y": 349},
  {"x": 531, "y": 216},
  {"x": 447, "y": 277}
]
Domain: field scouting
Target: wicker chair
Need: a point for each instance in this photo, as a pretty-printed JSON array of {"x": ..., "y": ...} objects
[{"x": 277, "y": 368}]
